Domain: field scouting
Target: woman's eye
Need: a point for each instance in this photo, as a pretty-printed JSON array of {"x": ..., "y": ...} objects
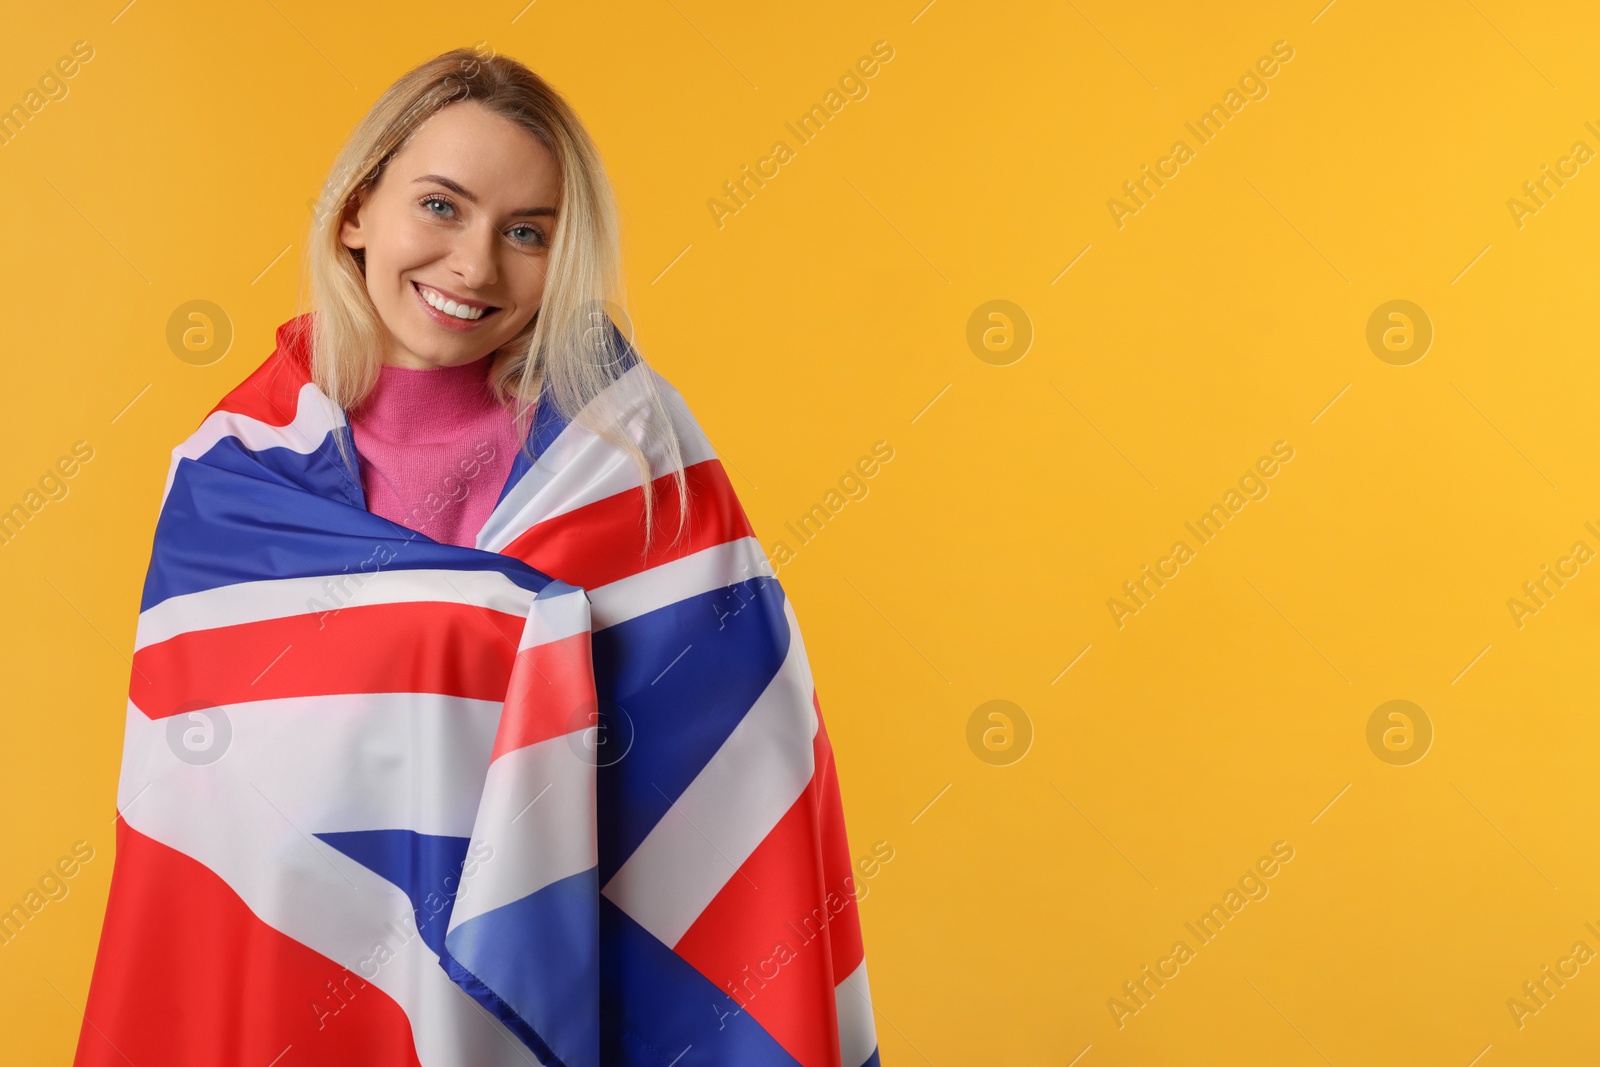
[
  {"x": 427, "y": 202},
  {"x": 531, "y": 236},
  {"x": 536, "y": 237}
]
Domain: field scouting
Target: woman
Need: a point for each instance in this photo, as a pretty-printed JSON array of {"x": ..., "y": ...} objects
[{"x": 468, "y": 724}]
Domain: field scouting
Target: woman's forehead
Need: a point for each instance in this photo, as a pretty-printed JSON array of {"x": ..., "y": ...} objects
[{"x": 499, "y": 163}]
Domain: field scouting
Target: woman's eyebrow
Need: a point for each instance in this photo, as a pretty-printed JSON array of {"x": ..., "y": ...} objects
[{"x": 460, "y": 190}]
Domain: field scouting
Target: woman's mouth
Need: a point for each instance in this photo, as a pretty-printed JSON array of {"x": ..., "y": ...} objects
[{"x": 451, "y": 312}]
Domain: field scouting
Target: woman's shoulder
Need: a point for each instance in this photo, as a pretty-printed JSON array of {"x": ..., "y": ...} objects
[
  {"x": 276, "y": 405},
  {"x": 272, "y": 392}
]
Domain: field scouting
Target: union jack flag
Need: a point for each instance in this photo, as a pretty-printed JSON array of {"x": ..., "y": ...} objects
[{"x": 548, "y": 799}]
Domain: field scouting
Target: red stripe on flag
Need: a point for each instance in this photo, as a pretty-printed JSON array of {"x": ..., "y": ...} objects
[
  {"x": 417, "y": 647},
  {"x": 602, "y": 542},
  {"x": 271, "y": 393},
  {"x": 845, "y": 941},
  {"x": 551, "y": 693},
  {"x": 188, "y": 976},
  {"x": 773, "y": 937}
]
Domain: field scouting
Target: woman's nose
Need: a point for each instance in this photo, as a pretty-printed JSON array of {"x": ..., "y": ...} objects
[{"x": 474, "y": 257}]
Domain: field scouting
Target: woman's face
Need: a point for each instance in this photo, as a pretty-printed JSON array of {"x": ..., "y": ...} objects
[{"x": 463, "y": 213}]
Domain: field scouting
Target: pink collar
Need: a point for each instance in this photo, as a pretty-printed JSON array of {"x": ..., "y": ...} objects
[{"x": 428, "y": 406}]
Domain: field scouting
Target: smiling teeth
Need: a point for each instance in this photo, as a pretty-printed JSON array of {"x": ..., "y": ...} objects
[{"x": 450, "y": 307}]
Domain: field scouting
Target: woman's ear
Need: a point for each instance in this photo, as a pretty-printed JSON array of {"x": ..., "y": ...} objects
[{"x": 351, "y": 233}]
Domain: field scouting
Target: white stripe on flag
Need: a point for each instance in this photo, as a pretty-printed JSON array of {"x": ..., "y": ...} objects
[
  {"x": 538, "y": 817},
  {"x": 699, "y": 572},
  {"x": 729, "y": 808},
  {"x": 356, "y": 761},
  {"x": 858, "y": 1034},
  {"x": 279, "y": 598},
  {"x": 579, "y": 467}
]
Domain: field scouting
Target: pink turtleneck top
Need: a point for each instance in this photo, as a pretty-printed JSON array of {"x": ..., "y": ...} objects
[{"x": 435, "y": 449}]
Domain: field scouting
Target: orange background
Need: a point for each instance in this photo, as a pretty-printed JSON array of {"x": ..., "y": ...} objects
[{"x": 1139, "y": 772}]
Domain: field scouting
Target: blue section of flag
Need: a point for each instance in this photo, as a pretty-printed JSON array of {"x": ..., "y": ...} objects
[
  {"x": 535, "y": 963},
  {"x": 211, "y": 534},
  {"x": 684, "y": 676},
  {"x": 655, "y": 1006},
  {"x": 320, "y": 471},
  {"x": 426, "y": 866}
]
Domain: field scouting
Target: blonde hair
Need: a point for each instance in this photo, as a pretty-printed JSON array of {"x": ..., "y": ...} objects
[{"x": 569, "y": 350}]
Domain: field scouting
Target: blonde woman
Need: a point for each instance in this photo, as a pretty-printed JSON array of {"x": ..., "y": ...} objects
[{"x": 468, "y": 723}]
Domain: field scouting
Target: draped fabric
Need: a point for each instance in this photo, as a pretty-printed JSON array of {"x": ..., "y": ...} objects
[{"x": 547, "y": 799}]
